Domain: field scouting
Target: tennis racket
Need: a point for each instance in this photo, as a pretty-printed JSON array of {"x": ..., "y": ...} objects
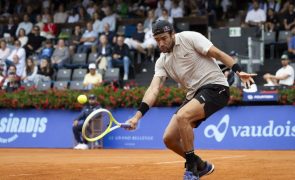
[{"x": 99, "y": 123}]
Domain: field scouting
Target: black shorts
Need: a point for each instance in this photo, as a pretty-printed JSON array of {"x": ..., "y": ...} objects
[{"x": 214, "y": 96}]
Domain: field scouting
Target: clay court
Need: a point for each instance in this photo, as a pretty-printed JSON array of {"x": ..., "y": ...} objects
[{"x": 141, "y": 164}]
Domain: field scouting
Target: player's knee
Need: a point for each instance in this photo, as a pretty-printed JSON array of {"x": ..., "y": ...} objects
[{"x": 167, "y": 139}]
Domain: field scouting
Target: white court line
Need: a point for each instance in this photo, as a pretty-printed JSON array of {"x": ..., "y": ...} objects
[{"x": 222, "y": 157}]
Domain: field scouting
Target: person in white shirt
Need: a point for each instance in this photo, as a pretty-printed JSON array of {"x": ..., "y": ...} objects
[
  {"x": 256, "y": 16},
  {"x": 30, "y": 71},
  {"x": 97, "y": 23},
  {"x": 283, "y": 76},
  {"x": 165, "y": 16},
  {"x": 22, "y": 37},
  {"x": 89, "y": 39},
  {"x": 60, "y": 16},
  {"x": 4, "y": 50},
  {"x": 17, "y": 57},
  {"x": 110, "y": 18},
  {"x": 176, "y": 10},
  {"x": 26, "y": 25}
]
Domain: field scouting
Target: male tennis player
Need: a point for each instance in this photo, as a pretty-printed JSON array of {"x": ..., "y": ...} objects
[{"x": 188, "y": 58}]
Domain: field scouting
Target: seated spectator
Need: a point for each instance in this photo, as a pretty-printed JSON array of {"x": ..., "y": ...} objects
[
  {"x": 44, "y": 72},
  {"x": 159, "y": 9},
  {"x": 136, "y": 39},
  {"x": 149, "y": 44},
  {"x": 78, "y": 122},
  {"x": 272, "y": 4},
  {"x": 9, "y": 29},
  {"x": 34, "y": 41},
  {"x": 4, "y": 52},
  {"x": 26, "y": 25},
  {"x": 121, "y": 8},
  {"x": 11, "y": 82},
  {"x": 88, "y": 39},
  {"x": 104, "y": 51},
  {"x": 22, "y": 37},
  {"x": 47, "y": 51},
  {"x": 73, "y": 16},
  {"x": 17, "y": 57},
  {"x": 75, "y": 39},
  {"x": 39, "y": 22},
  {"x": 92, "y": 79},
  {"x": 120, "y": 56},
  {"x": 176, "y": 10},
  {"x": 255, "y": 17},
  {"x": 110, "y": 34},
  {"x": 60, "y": 55},
  {"x": 165, "y": 16},
  {"x": 97, "y": 23},
  {"x": 45, "y": 15},
  {"x": 109, "y": 18},
  {"x": 30, "y": 70},
  {"x": 283, "y": 76},
  {"x": 147, "y": 25},
  {"x": 289, "y": 19},
  {"x": 272, "y": 21},
  {"x": 50, "y": 29},
  {"x": 60, "y": 16},
  {"x": 83, "y": 15}
]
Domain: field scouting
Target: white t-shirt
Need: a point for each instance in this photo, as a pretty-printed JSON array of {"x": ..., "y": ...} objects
[
  {"x": 188, "y": 63},
  {"x": 256, "y": 16},
  {"x": 20, "y": 66},
  {"x": 286, "y": 70}
]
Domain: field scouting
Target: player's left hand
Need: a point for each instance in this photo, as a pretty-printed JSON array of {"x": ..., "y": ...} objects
[{"x": 246, "y": 78}]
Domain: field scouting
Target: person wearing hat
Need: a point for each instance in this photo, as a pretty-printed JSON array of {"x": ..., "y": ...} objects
[
  {"x": 283, "y": 76},
  {"x": 78, "y": 122},
  {"x": 92, "y": 79},
  {"x": 188, "y": 58}
]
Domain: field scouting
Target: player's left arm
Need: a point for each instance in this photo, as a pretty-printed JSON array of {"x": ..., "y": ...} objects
[{"x": 216, "y": 53}]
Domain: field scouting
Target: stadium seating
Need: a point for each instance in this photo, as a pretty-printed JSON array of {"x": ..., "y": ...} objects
[
  {"x": 76, "y": 85},
  {"x": 60, "y": 85},
  {"x": 79, "y": 59},
  {"x": 64, "y": 75},
  {"x": 92, "y": 57},
  {"x": 43, "y": 86},
  {"x": 78, "y": 74},
  {"x": 112, "y": 74},
  {"x": 28, "y": 85}
]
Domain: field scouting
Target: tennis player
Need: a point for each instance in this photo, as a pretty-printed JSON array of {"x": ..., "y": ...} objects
[{"x": 188, "y": 58}]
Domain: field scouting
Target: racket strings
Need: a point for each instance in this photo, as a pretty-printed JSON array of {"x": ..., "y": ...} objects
[{"x": 97, "y": 124}]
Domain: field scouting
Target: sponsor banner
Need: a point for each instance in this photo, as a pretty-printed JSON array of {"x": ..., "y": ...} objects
[
  {"x": 243, "y": 127},
  {"x": 260, "y": 96},
  {"x": 36, "y": 128}
]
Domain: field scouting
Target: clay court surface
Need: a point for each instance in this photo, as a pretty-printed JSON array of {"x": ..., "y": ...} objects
[{"x": 141, "y": 164}]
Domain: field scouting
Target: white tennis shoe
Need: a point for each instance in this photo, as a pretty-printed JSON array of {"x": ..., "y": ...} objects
[{"x": 81, "y": 146}]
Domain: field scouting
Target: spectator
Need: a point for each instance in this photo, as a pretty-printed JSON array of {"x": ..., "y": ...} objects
[
  {"x": 176, "y": 10},
  {"x": 75, "y": 39},
  {"x": 120, "y": 57},
  {"x": 149, "y": 20},
  {"x": 60, "y": 16},
  {"x": 121, "y": 8},
  {"x": 160, "y": 7},
  {"x": 4, "y": 52},
  {"x": 73, "y": 16},
  {"x": 30, "y": 70},
  {"x": 60, "y": 55},
  {"x": 78, "y": 122},
  {"x": 12, "y": 81},
  {"x": 92, "y": 79},
  {"x": 22, "y": 37},
  {"x": 50, "y": 29},
  {"x": 272, "y": 21},
  {"x": 9, "y": 29},
  {"x": 289, "y": 19},
  {"x": 110, "y": 34},
  {"x": 45, "y": 71},
  {"x": 34, "y": 41},
  {"x": 136, "y": 39},
  {"x": 47, "y": 51},
  {"x": 89, "y": 39},
  {"x": 26, "y": 25},
  {"x": 165, "y": 16},
  {"x": 1, "y": 75},
  {"x": 83, "y": 16},
  {"x": 17, "y": 57},
  {"x": 104, "y": 52},
  {"x": 149, "y": 44},
  {"x": 46, "y": 15},
  {"x": 109, "y": 18},
  {"x": 272, "y": 4},
  {"x": 39, "y": 21},
  {"x": 97, "y": 23},
  {"x": 283, "y": 76},
  {"x": 255, "y": 17},
  {"x": 90, "y": 8}
]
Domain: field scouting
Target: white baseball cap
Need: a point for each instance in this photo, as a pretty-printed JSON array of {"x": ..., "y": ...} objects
[{"x": 92, "y": 66}]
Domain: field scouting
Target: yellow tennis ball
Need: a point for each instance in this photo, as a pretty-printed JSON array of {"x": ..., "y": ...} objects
[{"x": 82, "y": 99}]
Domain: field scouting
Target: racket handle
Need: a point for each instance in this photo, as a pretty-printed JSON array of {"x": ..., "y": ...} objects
[{"x": 125, "y": 125}]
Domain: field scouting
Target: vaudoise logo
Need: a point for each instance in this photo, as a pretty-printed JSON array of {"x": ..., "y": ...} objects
[
  {"x": 11, "y": 127},
  {"x": 245, "y": 129}
]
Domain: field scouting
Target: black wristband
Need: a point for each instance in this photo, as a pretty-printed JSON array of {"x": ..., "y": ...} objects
[
  {"x": 143, "y": 108},
  {"x": 236, "y": 68}
]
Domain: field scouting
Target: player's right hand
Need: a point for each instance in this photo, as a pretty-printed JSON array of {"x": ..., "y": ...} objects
[{"x": 133, "y": 123}]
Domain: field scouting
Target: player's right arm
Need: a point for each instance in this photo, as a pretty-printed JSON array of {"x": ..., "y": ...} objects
[{"x": 149, "y": 98}]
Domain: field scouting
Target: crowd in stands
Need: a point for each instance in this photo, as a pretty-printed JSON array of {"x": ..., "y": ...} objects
[{"x": 34, "y": 48}]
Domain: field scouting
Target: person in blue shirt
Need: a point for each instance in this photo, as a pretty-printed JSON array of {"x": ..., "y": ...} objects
[
  {"x": 78, "y": 122},
  {"x": 47, "y": 51}
]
